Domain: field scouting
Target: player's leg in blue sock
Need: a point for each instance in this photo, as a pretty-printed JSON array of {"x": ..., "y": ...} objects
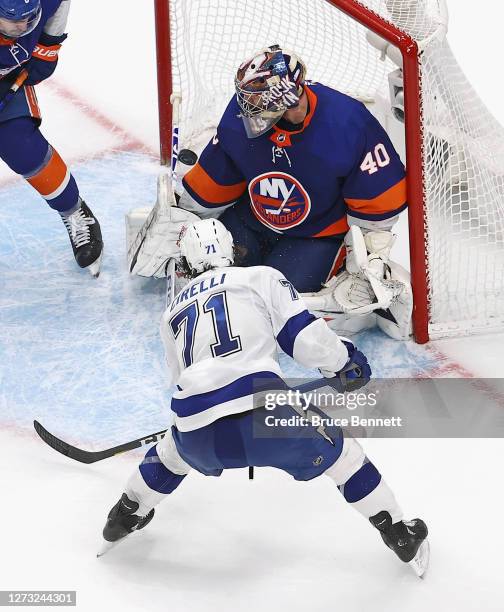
[
  {"x": 25, "y": 150},
  {"x": 361, "y": 483},
  {"x": 159, "y": 474},
  {"x": 306, "y": 262}
]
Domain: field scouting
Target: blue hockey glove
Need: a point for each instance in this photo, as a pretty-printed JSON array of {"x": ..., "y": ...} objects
[
  {"x": 44, "y": 58},
  {"x": 5, "y": 85},
  {"x": 355, "y": 374},
  {"x": 10, "y": 86}
]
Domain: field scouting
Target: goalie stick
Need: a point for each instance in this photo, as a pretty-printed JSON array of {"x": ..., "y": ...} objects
[
  {"x": 84, "y": 456},
  {"x": 166, "y": 199}
]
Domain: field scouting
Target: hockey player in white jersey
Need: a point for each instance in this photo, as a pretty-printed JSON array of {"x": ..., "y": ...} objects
[{"x": 221, "y": 334}]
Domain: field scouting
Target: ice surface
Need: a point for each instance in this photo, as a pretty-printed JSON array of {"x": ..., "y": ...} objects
[
  {"x": 84, "y": 354},
  {"x": 271, "y": 544},
  {"x": 84, "y": 357},
  {"x": 75, "y": 349}
]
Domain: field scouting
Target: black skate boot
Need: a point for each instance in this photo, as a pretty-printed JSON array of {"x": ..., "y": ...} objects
[
  {"x": 85, "y": 236},
  {"x": 408, "y": 539},
  {"x": 122, "y": 521}
]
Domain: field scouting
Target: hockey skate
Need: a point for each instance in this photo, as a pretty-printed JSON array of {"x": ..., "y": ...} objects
[
  {"x": 86, "y": 239},
  {"x": 122, "y": 521},
  {"x": 408, "y": 539}
]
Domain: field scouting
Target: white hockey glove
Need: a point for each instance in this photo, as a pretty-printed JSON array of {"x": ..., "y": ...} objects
[
  {"x": 362, "y": 287},
  {"x": 157, "y": 241},
  {"x": 371, "y": 285}
]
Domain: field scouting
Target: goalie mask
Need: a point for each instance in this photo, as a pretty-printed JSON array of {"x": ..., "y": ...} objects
[
  {"x": 266, "y": 86},
  {"x": 205, "y": 245},
  {"x": 19, "y": 17}
]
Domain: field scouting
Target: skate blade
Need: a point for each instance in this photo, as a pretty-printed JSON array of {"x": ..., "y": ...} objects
[
  {"x": 106, "y": 546},
  {"x": 94, "y": 268},
  {"x": 420, "y": 563}
]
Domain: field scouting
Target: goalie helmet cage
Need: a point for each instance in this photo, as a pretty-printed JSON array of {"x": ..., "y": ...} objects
[{"x": 454, "y": 148}]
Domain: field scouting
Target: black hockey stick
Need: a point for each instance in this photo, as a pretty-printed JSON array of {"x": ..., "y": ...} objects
[
  {"x": 92, "y": 456},
  {"x": 84, "y": 456}
]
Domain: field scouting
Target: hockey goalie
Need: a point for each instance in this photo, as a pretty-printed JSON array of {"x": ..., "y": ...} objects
[{"x": 308, "y": 182}]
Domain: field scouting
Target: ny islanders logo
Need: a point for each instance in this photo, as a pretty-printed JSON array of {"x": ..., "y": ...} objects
[{"x": 279, "y": 200}]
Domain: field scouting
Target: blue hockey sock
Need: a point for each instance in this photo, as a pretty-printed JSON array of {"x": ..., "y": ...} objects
[
  {"x": 358, "y": 486},
  {"x": 156, "y": 475}
]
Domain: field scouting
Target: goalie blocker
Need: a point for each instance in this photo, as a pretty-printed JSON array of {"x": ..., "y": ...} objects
[{"x": 153, "y": 234}]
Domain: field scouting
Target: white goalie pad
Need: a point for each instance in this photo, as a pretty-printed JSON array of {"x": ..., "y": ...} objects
[
  {"x": 345, "y": 324},
  {"x": 362, "y": 288},
  {"x": 372, "y": 290},
  {"x": 396, "y": 321},
  {"x": 156, "y": 242}
]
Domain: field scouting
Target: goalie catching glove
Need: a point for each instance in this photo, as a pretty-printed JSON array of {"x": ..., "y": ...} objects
[
  {"x": 372, "y": 290},
  {"x": 355, "y": 374}
]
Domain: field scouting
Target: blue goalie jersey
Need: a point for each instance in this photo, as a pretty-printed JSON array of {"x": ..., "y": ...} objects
[{"x": 304, "y": 182}]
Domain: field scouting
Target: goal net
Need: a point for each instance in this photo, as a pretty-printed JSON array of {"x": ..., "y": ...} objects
[{"x": 453, "y": 147}]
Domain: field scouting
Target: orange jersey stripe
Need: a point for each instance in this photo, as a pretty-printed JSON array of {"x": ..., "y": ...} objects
[
  {"x": 210, "y": 191},
  {"x": 338, "y": 262},
  {"x": 339, "y": 227},
  {"x": 390, "y": 200},
  {"x": 31, "y": 98},
  {"x": 51, "y": 177}
]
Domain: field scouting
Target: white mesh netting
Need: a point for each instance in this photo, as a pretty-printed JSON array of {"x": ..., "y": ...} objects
[{"x": 463, "y": 159}]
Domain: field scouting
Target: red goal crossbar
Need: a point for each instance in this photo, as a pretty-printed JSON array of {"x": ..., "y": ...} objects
[{"x": 414, "y": 166}]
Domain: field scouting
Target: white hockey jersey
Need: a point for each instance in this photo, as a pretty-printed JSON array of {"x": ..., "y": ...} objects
[{"x": 221, "y": 333}]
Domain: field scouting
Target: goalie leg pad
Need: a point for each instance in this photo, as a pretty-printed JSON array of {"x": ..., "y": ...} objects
[
  {"x": 345, "y": 324},
  {"x": 358, "y": 290},
  {"x": 396, "y": 321},
  {"x": 371, "y": 289}
]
